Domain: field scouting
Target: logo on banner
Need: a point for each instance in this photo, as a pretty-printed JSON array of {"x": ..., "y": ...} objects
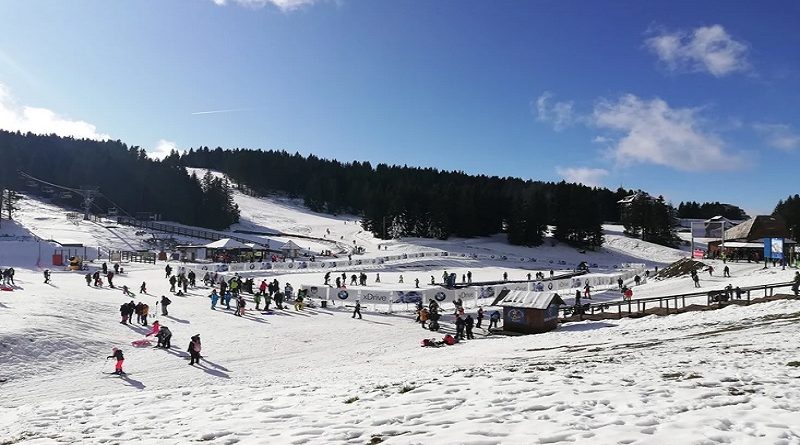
[
  {"x": 515, "y": 315},
  {"x": 313, "y": 290},
  {"x": 550, "y": 285},
  {"x": 342, "y": 295},
  {"x": 440, "y": 296},
  {"x": 252, "y": 266}
]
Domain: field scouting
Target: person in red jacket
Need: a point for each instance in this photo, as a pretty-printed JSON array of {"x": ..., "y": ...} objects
[{"x": 117, "y": 354}]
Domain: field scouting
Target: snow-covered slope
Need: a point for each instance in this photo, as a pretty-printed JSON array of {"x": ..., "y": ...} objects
[{"x": 321, "y": 377}]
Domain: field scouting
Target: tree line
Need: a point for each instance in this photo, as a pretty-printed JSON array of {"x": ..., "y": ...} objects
[
  {"x": 124, "y": 175},
  {"x": 401, "y": 201}
]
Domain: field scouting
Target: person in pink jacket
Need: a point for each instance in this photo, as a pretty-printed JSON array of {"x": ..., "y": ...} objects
[{"x": 154, "y": 331}]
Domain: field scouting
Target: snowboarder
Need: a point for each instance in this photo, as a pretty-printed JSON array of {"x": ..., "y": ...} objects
[
  {"x": 47, "y": 276},
  {"x": 480, "y": 317},
  {"x": 469, "y": 322},
  {"x": 194, "y": 350},
  {"x": 214, "y": 298},
  {"x": 164, "y": 303},
  {"x": 117, "y": 354},
  {"x": 357, "y": 310}
]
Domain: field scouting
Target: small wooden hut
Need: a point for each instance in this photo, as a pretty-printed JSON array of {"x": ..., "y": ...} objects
[{"x": 530, "y": 312}]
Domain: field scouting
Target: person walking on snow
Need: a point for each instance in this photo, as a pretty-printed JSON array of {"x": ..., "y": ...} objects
[
  {"x": 696, "y": 279},
  {"x": 88, "y": 278},
  {"x": 726, "y": 271},
  {"x": 143, "y": 288},
  {"x": 117, "y": 354},
  {"x": 469, "y": 322},
  {"x": 172, "y": 282},
  {"x": 164, "y": 303},
  {"x": 194, "y": 350},
  {"x": 357, "y": 310},
  {"x": 494, "y": 319},
  {"x": 480, "y": 317},
  {"x": 47, "y": 276},
  {"x": 168, "y": 271},
  {"x": 214, "y": 298},
  {"x": 257, "y": 300},
  {"x": 227, "y": 299}
]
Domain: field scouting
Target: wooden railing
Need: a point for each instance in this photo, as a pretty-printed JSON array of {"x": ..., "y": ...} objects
[{"x": 677, "y": 302}]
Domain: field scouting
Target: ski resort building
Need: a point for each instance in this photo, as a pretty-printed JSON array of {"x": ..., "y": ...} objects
[{"x": 530, "y": 312}]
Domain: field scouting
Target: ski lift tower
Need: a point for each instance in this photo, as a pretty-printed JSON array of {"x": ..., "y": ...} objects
[{"x": 88, "y": 193}]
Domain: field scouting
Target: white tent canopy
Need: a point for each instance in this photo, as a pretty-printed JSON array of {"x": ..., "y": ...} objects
[
  {"x": 290, "y": 245},
  {"x": 226, "y": 243}
]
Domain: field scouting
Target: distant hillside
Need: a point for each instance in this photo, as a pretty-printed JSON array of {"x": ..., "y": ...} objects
[
  {"x": 123, "y": 174},
  {"x": 424, "y": 202}
]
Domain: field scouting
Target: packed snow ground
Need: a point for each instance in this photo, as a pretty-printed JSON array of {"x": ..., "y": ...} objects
[{"x": 322, "y": 377}]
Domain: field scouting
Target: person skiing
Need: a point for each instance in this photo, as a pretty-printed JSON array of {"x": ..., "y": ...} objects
[
  {"x": 357, "y": 310},
  {"x": 298, "y": 302},
  {"x": 469, "y": 322},
  {"x": 214, "y": 298},
  {"x": 117, "y": 354},
  {"x": 143, "y": 288},
  {"x": 46, "y": 276},
  {"x": 194, "y": 350},
  {"x": 164, "y": 303}
]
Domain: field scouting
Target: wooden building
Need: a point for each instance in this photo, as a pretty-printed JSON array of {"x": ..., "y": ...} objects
[{"x": 530, "y": 312}]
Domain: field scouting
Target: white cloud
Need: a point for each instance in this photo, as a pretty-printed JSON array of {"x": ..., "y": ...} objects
[
  {"x": 780, "y": 136},
  {"x": 560, "y": 114},
  {"x": 283, "y": 5},
  {"x": 25, "y": 119},
  {"x": 706, "y": 49},
  {"x": 583, "y": 175},
  {"x": 653, "y": 132},
  {"x": 162, "y": 149}
]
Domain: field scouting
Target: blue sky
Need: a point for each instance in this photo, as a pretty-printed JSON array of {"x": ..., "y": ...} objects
[{"x": 692, "y": 100}]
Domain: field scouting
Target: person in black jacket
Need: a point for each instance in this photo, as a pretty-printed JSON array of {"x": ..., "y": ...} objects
[
  {"x": 117, "y": 354},
  {"x": 123, "y": 312},
  {"x": 460, "y": 327},
  {"x": 357, "y": 310},
  {"x": 131, "y": 310},
  {"x": 164, "y": 303},
  {"x": 164, "y": 336},
  {"x": 194, "y": 350},
  {"x": 469, "y": 322}
]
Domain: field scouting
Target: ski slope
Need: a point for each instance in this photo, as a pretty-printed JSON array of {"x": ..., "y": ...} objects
[{"x": 321, "y": 377}]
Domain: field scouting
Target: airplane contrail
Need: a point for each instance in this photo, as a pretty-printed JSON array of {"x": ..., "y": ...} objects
[{"x": 229, "y": 110}]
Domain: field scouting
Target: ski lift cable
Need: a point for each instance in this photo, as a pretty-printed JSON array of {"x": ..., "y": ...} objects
[{"x": 25, "y": 175}]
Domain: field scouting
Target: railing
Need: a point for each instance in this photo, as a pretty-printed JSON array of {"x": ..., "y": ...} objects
[
  {"x": 626, "y": 307},
  {"x": 168, "y": 228}
]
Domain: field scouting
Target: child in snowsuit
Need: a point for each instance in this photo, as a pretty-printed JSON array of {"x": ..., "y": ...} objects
[
  {"x": 88, "y": 278},
  {"x": 214, "y": 298},
  {"x": 117, "y": 354}
]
